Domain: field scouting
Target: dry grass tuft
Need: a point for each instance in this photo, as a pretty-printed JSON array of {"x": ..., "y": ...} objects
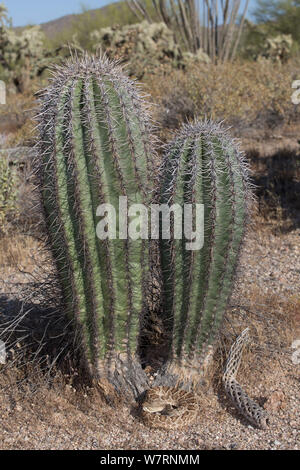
[
  {"x": 16, "y": 249},
  {"x": 16, "y": 118}
]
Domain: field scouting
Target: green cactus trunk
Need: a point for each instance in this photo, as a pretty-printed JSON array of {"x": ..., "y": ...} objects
[
  {"x": 96, "y": 145},
  {"x": 202, "y": 165}
]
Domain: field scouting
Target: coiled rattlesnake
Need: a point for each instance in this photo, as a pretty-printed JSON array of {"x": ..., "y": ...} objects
[{"x": 166, "y": 407}]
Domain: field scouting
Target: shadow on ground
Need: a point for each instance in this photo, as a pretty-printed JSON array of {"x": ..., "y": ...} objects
[
  {"x": 277, "y": 180},
  {"x": 38, "y": 335}
]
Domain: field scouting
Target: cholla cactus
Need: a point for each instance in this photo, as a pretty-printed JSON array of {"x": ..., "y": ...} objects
[
  {"x": 202, "y": 165},
  {"x": 22, "y": 54},
  {"x": 264, "y": 47},
  {"x": 96, "y": 145},
  {"x": 144, "y": 46},
  {"x": 278, "y": 48}
]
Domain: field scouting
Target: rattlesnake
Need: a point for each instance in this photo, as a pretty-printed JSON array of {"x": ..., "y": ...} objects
[
  {"x": 246, "y": 406},
  {"x": 170, "y": 408},
  {"x": 165, "y": 407}
]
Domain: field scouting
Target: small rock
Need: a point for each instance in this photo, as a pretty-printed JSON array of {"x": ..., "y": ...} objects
[{"x": 275, "y": 443}]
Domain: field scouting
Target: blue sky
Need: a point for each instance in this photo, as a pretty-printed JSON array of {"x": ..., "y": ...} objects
[{"x": 25, "y": 12}]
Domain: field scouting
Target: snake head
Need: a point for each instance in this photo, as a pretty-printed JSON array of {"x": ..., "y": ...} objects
[{"x": 156, "y": 406}]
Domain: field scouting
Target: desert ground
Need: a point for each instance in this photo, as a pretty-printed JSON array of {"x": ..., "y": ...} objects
[{"x": 43, "y": 403}]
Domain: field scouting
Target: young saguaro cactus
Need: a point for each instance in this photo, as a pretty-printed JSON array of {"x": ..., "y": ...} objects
[
  {"x": 202, "y": 165},
  {"x": 95, "y": 145}
]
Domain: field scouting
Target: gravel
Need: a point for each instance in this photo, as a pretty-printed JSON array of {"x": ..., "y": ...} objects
[{"x": 61, "y": 417}]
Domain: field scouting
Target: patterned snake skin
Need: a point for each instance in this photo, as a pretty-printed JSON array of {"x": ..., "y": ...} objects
[
  {"x": 247, "y": 407},
  {"x": 172, "y": 407}
]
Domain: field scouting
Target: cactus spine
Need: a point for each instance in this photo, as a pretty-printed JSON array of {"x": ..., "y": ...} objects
[
  {"x": 96, "y": 145},
  {"x": 202, "y": 165}
]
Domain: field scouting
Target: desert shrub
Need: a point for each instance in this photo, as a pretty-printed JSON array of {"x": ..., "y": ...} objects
[
  {"x": 8, "y": 194},
  {"x": 244, "y": 94},
  {"x": 16, "y": 116}
]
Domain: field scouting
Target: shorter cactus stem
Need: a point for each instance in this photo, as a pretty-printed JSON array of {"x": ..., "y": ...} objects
[{"x": 202, "y": 165}]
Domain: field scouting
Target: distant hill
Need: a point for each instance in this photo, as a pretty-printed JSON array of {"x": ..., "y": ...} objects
[
  {"x": 54, "y": 27},
  {"x": 51, "y": 28}
]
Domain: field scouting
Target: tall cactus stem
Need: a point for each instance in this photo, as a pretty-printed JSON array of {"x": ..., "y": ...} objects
[
  {"x": 202, "y": 165},
  {"x": 96, "y": 144}
]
